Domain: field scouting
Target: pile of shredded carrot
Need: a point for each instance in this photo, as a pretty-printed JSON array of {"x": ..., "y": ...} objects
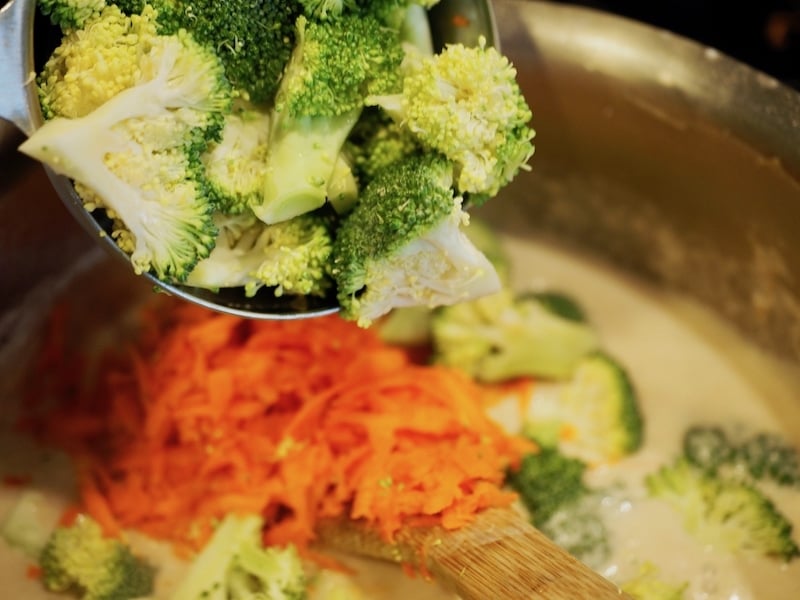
[{"x": 203, "y": 414}]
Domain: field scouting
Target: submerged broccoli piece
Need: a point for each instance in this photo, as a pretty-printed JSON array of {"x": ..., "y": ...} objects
[
  {"x": 547, "y": 480},
  {"x": 503, "y": 336},
  {"x": 724, "y": 512},
  {"x": 648, "y": 585},
  {"x": 292, "y": 256},
  {"x": 137, "y": 155},
  {"x": 761, "y": 456},
  {"x": 234, "y": 565},
  {"x": 600, "y": 405},
  {"x": 466, "y": 104},
  {"x": 551, "y": 487},
  {"x": 769, "y": 456},
  {"x": 707, "y": 447},
  {"x": 334, "y": 66},
  {"x": 70, "y": 14},
  {"x": 79, "y": 559},
  {"x": 403, "y": 244}
]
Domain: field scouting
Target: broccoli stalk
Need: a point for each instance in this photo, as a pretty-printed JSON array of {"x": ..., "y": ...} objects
[
  {"x": 292, "y": 256},
  {"x": 724, "y": 512},
  {"x": 80, "y": 559},
  {"x": 647, "y": 584},
  {"x": 138, "y": 154},
  {"x": 234, "y": 565},
  {"x": 403, "y": 244},
  {"x": 334, "y": 66}
]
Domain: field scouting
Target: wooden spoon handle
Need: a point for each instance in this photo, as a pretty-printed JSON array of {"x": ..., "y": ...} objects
[{"x": 499, "y": 556}]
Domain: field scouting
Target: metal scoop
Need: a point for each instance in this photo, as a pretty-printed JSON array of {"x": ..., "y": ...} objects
[{"x": 451, "y": 21}]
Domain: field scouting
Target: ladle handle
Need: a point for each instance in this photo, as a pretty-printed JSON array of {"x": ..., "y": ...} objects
[{"x": 18, "y": 97}]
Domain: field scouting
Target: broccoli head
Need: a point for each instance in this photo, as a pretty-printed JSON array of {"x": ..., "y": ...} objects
[
  {"x": 234, "y": 565},
  {"x": 138, "y": 154},
  {"x": 505, "y": 335},
  {"x": 551, "y": 487},
  {"x": 253, "y": 38},
  {"x": 70, "y": 14},
  {"x": 81, "y": 560},
  {"x": 465, "y": 103},
  {"x": 292, "y": 257},
  {"x": 727, "y": 513},
  {"x": 334, "y": 66},
  {"x": 403, "y": 244}
]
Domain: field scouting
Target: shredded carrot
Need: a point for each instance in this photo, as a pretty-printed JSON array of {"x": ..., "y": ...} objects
[
  {"x": 205, "y": 414},
  {"x": 33, "y": 572}
]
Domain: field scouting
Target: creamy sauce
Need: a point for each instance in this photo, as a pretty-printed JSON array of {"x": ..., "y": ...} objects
[{"x": 686, "y": 367}]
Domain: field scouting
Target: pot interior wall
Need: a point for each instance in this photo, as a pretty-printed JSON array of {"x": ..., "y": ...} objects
[{"x": 663, "y": 157}]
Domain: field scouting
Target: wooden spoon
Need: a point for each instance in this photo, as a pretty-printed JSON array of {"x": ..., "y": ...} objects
[{"x": 499, "y": 556}]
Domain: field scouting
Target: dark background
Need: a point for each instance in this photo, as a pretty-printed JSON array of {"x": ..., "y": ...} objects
[{"x": 765, "y": 35}]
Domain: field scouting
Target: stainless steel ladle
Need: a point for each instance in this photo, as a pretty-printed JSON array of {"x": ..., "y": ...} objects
[{"x": 451, "y": 21}]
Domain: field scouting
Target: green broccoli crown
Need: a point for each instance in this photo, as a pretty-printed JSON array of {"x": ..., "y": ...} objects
[
  {"x": 760, "y": 456},
  {"x": 465, "y": 102},
  {"x": 253, "y": 38},
  {"x": 547, "y": 480},
  {"x": 506, "y": 335},
  {"x": 292, "y": 257},
  {"x": 551, "y": 487},
  {"x": 70, "y": 14},
  {"x": 336, "y": 64},
  {"x": 727, "y": 513},
  {"x": 138, "y": 154},
  {"x": 377, "y": 141},
  {"x": 80, "y": 559},
  {"x": 234, "y": 564}
]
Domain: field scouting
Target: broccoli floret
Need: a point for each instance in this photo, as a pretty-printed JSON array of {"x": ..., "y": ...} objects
[
  {"x": 253, "y": 38},
  {"x": 724, "y": 512},
  {"x": 292, "y": 257},
  {"x": 79, "y": 559},
  {"x": 234, "y": 565},
  {"x": 760, "y": 456},
  {"x": 552, "y": 489},
  {"x": 92, "y": 65},
  {"x": 22, "y": 526},
  {"x": 376, "y": 141},
  {"x": 769, "y": 456},
  {"x": 234, "y": 166},
  {"x": 403, "y": 244},
  {"x": 505, "y": 335},
  {"x": 70, "y": 14},
  {"x": 707, "y": 447},
  {"x": 466, "y": 103},
  {"x": 137, "y": 155},
  {"x": 334, "y": 66},
  {"x": 595, "y": 415},
  {"x": 648, "y": 585},
  {"x": 547, "y": 480}
]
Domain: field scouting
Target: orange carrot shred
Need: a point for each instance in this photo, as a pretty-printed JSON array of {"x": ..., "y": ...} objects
[{"x": 204, "y": 414}]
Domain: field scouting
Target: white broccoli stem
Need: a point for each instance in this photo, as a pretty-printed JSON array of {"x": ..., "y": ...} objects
[
  {"x": 441, "y": 267},
  {"x": 301, "y": 160}
]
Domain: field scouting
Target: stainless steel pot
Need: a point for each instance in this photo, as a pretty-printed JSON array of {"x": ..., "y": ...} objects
[{"x": 660, "y": 155}]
